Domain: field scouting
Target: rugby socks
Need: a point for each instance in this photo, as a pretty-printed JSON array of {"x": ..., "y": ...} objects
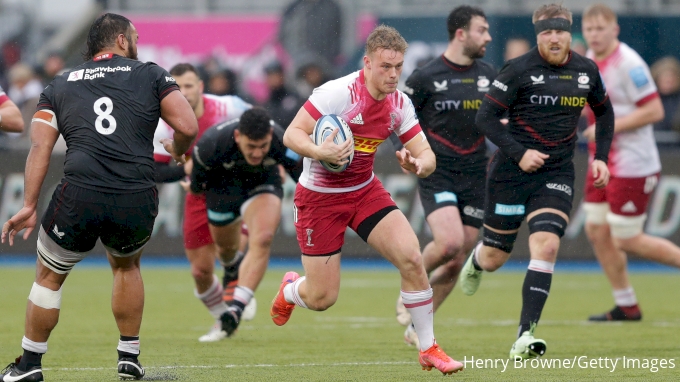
[
  {"x": 534, "y": 293},
  {"x": 242, "y": 296},
  {"x": 128, "y": 347},
  {"x": 419, "y": 304},
  {"x": 625, "y": 297},
  {"x": 474, "y": 257},
  {"x": 33, "y": 352},
  {"x": 291, "y": 293},
  {"x": 212, "y": 298}
]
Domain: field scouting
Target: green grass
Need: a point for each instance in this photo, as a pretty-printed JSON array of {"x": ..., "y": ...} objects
[{"x": 358, "y": 339}]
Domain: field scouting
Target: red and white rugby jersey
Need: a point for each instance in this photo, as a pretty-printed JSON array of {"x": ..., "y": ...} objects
[
  {"x": 3, "y": 96},
  {"x": 216, "y": 109},
  {"x": 371, "y": 123},
  {"x": 629, "y": 84}
]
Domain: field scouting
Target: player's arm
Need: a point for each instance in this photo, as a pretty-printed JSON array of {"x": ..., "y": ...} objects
[
  {"x": 650, "y": 112},
  {"x": 204, "y": 157},
  {"x": 11, "y": 120},
  {"x": 297, "y": 139},
  {"x": 177, "y": 113},
  {"x": 417, "y": 156},
  {"x": 604, "y": 131},
  {"x": 44, "y": 134}
]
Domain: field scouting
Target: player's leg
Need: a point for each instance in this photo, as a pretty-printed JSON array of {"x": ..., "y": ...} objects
[
  {"x": 226, "y": 234},
  {"x": 548, "y": 215},
  {"x": 389, "y": 233},
  {"x": 65, "y": 236},
  {"x": 126, "y": 228},
  {"x": 320, "y": 223},
  {"x": 201, "y": 252},
  {"x": 262, "y": 214}
]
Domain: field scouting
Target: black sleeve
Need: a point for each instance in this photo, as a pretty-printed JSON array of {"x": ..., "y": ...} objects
[
  {"x": 164, "y": 84},
  {"x": 46, "y": 101},
  {"x": 495, "y": 105},
  {"x": 204, "y": 155},
  {"x": 416, "y": 91},
  {"x": 289, "y": 159},
  {"x": 167, "y": 173},
  {"x": 604, "y": 116}
]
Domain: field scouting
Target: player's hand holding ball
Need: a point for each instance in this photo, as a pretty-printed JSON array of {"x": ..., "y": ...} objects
[{"x": 335, "y": 143}]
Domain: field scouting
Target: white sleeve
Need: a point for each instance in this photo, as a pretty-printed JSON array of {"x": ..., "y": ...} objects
[
  {"x": 637, "y": 80},
  {"x": 409, "y": 118},
  {"x": 333, "y": 97},
  {"x": 162, "y": 131}
]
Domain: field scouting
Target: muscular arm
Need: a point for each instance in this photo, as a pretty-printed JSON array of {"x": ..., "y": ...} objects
[
  {"x": 297, "y": 134},
  {"x": 488, "y": 121},
  {"x": 166, "y": 173},
  {"x": 43, "y": 138},
  {"x": 177, "y": 113},
  {"x": 650, "y": 112},
  {"x": 11, "y": 120}
]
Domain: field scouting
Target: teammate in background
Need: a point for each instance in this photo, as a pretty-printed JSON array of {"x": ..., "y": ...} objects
[
  {"x": 327, "y": 203},
  {"x": 446, "y": 93},
  {"x": 236, "y": 166},
  {"x": 107, "y": 110},
  {"x": 11, "y": 120},
  {"x": 615, "y": 215},
  {"x": 199, "y": 245},
  {"x": 532, "y": 175}
]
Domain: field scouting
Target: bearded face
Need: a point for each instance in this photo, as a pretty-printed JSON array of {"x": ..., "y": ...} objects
[{"x": 554, "y": 46}]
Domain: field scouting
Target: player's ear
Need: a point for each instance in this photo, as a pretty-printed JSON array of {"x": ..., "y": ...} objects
[
  {"x": 460, "y": 34},
  {"x": 367, "y": 62},
  {"x": 237, "y": 135},
  {"x": 122, "y": 42}
]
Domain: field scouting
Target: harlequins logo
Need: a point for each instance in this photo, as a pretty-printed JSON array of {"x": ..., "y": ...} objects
[{"x": 309, "y": 237}]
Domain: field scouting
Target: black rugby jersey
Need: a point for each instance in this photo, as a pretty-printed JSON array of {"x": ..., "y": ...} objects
[
  {"x": 544, "y": 103},
  {"x": 107, "y": 109},
  {"x": 446, "y": 97},
  {"x": 219, "y": 164}
]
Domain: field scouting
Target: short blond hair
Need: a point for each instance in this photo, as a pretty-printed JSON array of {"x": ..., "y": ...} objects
[
  {"x": 385, "y": 37},
  {"x": 600, "y": 10},
  {"x": 551, "y": 11}
]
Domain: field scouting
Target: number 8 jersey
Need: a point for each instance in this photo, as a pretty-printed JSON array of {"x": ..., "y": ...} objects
[{"x": 107, "y": 109}]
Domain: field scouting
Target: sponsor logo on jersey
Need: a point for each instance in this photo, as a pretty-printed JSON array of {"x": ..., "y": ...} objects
[
  {"x": 357, "y": 120},
  {"x": 267, "y": 162},
  {"x": 393, "y": 121},
  {"x": 500, "y": 85},
  {"x": 483, "y": 84},
  {"x": 440, "y": 86},
  {"x": 228, "y": 166},
  {"x": 537, "y": 80},
  {"x": 509, "y": 209},
  {"x": 465, "y": 104},
  {"x": 94, "y": 73},
  {"x": 56, "y": 231},
  {"x": 169, "y": 79},
  {"x": 558, "y": 100},
  {"x": 629, "y": 207},
  {"x": 408, "y": 90},
  {"x": 560, "y": 187},
  {"x": 639, "y": 77},
  {"x": 77, "y": 75},
  {"x": 560, "y": 77},
  {"x": 366, "y": 145},
  {"x": 476, "y": 213},
  {"x": 445, "y": 196}
]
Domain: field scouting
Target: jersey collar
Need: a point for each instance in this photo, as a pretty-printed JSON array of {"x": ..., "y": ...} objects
[
  {"x": 104, "y": 56},
  {"x": 456, "y": 67}
]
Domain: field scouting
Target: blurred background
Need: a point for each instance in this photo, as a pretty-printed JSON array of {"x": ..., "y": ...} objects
[{"x": 274, "y": 52}]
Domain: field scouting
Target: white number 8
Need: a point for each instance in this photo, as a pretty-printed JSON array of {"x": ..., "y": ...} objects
[{"x": 104, "y": 114}]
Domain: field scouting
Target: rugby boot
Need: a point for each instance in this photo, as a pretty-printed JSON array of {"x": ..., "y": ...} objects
[
  {"x": 282, "y": 309},
  {"x": 12, "y": 373},
  {"x": 619, "y": 313},
  {"x": 435, "y": 357}
]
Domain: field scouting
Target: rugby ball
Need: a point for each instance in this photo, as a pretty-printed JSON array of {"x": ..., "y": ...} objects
[{"x": 324, "y": 127}]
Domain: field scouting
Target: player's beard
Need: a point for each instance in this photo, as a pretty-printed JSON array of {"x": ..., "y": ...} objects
[
  {"x": 473, "y": 51},
  {"x": 547, "y": 55},
  {"x": 131, "y": 51}
]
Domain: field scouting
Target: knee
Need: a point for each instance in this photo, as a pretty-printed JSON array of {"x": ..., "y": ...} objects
[
  {"x": 451, "y": 248},
  {"x": 494, "y": 258},
  {"x": 321, "y": 300},
  {"x": 262, "y": 239},
  {"x": 544, "y": 247},
  {"x": 226, "y": 251},
  {"x": 201, "y": 271}
]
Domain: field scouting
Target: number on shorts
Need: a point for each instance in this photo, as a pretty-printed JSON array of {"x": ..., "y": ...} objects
[{"x": 104, "y": 115}]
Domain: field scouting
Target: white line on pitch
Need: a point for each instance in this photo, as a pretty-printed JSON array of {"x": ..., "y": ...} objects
[{"x": 234, "y": 366}]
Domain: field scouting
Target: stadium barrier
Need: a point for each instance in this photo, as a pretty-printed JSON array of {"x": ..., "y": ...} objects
[{"x": 663, "y": 214}]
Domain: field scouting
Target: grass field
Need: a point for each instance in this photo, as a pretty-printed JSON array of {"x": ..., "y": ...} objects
[{"x": 358, "y": 339}]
